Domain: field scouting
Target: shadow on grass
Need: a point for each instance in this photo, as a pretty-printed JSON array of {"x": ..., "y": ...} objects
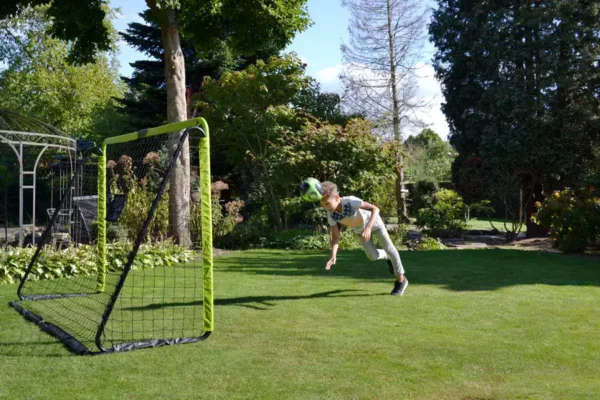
[
  {"x": 457, "y": 270},
  {"x": 250, "y": 301},
  {"x": 34, "y": 348},
  {"x": 22, "y": 338},
  {"x": 25, "y": 340}
]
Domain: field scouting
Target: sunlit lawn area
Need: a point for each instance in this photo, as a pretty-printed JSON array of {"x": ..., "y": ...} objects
[{"x": 481, "y": 324}]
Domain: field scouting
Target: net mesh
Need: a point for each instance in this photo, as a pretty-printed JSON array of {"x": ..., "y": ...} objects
[{"x": 151, "y": 289}]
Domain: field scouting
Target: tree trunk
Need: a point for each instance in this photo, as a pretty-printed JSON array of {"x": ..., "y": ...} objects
[
  {"x": 179, "y": 188},
  {"x": 400, "y": 186}
]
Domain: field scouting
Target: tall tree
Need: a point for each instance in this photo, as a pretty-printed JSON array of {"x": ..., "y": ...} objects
[
  {"x": 82, "y": 23},
  {"x": 326, "y": 107},
  {"x": 380, "y": 71},
  {"x": 249, "y": 110},
  {"x": 254, "y": 25},
  {"x": 208, "y": 23},
  {"x": 522, "y": 89},
  {"x": 38, "y": 80},
  {"x": 424, "y": 138},
  {"x": 146, "y": 101}
]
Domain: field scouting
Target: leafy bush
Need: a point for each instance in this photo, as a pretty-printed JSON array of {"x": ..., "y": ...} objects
[
  {"x": 155, "y": 255},
  {"x": 251, "y": 235},
  {"x": 573, "y": 219},
  {"x": 224, "y": 218},
  {"x": 245, "y": 235},
  {"x": 427, "y": 243},
  {"x": 136, "y": 209},
  {"x": 421, "y": 196},
  {"x": 81, "y": 260},
  {"x": 140, "y": 184},
  {"x": 445, "y": 216},
  {"x": 398, "y": 234},
  {"x": 307, "y": 240},
  {"x": 50, "y": 265}
]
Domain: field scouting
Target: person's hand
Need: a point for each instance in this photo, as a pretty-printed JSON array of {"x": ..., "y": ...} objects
[
  {"x": 330, "y": 263},
  {"x": 366, "y": 234}
]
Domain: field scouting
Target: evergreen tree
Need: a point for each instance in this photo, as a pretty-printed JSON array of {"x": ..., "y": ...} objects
[
  {"x": 522, "y": 87},
  {"x": 145, "y": 103}
]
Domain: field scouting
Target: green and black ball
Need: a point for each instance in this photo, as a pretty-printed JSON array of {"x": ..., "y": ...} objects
[{"x": 310, "y": 190}]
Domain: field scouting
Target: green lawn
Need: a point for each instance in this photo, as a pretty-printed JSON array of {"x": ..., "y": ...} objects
[
  {"x": 485, "y": 225},
  {"x": 480, "y": 324}
]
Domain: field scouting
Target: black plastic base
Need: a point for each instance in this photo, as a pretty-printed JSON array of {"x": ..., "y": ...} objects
[{"x": 77, "y": 347}]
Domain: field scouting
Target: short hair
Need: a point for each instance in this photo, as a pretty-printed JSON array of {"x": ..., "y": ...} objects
[{"x": 329, "y": 188}]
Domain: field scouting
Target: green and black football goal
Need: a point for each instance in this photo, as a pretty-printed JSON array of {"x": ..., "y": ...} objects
[{"x": 141, "y": 275}]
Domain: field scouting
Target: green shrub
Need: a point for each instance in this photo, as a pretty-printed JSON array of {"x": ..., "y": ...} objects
[
  {"x": 398, "y": 234},
  {"x": 140, "y": 184},
  {"x": 245, "y": 235},
  {"x": 253, "y": 235},
  {"x": 81, "y": 260},
  {"x": 421, "y": 196},
  {"x": 445, "y": 216},
  {"x": 224, "y": 218},
  {"x": 573, "y": 219},
  {"x": 427, "y": 243},
  {"x": 317, "y": 241},
  {"x": 136, "y": 209}
]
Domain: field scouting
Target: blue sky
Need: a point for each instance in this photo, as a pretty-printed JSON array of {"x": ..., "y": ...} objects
[{"x": 318, "y": 46}]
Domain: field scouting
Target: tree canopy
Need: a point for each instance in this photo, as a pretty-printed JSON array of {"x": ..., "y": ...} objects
[
  {"x": 521, "y": 83},
  {"x": 39, "y": 81}
]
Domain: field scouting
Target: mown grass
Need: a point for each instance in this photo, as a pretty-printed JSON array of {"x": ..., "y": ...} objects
[{"x": 481, "y": 324}]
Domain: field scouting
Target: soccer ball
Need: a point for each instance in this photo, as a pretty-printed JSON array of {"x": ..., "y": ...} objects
[{"x": 311, "y": 190}]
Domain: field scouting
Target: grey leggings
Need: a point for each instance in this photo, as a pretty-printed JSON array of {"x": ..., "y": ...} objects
[{"x": 389, "y": 251}]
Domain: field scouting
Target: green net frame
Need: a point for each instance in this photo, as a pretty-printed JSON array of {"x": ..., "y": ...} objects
[{"x": 124, "y": 309}]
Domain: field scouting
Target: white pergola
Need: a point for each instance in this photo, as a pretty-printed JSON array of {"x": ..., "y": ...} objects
[{"x": 31, "y": 139}]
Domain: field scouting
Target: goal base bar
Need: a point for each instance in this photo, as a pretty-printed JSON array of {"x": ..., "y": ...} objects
[
  {"x": 79, "y": 348},
  {"x": 69, "y": 341}
]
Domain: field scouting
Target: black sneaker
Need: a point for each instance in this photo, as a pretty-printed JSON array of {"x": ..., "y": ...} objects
[
  {"x": 399, "y": 287},
  {"x": 390, "y": 267}
]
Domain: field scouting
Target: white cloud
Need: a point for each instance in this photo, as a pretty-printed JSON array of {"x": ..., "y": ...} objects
[
  {"x": 434, "y": 117},
  {"x": 428, "y": 85},
  {"x": 429, "y": 90},
  {"x": 329, "y": 78}
]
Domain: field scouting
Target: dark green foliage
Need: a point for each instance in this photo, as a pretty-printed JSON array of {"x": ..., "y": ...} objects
[
  {"x": 326, "y": 107},
  {"x": 79, "y": 22},
  {"x": 421, "y": 196},
  {"x": 251, "y": 236},
  {"x": 81, "y": 260},
  {"x": 521, "y": 83},
  {"x": 573, "y": 217},
  {"x": 445, "y": 216},
  {"x": 146, "y": 101}
]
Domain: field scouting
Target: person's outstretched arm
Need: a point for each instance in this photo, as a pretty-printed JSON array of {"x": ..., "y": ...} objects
[{"x": 335, "y": 243}]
